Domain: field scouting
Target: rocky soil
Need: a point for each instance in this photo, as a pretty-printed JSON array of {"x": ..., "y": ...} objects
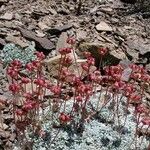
[{"x": 94, "y": 23}]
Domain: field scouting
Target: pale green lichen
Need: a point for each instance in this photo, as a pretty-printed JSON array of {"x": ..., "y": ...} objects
[{"x": 11, "y": 52}]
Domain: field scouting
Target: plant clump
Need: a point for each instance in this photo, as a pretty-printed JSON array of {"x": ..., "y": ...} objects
[{"x": 70, "y": 104}]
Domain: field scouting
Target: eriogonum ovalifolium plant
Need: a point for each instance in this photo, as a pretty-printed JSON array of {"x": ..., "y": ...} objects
[{"x": 28, "y": 104}]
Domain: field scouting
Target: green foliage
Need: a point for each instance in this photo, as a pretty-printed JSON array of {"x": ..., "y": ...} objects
[{"x": 12, "y": 51}]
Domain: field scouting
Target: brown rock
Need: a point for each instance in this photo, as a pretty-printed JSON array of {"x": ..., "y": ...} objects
[
  {"x": 3, "y": 1},
  {"x": 4, "y": 134},
  {"x": 59, "y": 29},
  {"x": 129, "y": 1},
  {"x": 42, "y": 25},
  {"x": 7, "y": 16},
  {"x": 2, "y": 43},
  {"x": 16, "y": 40},
  {"x": 103, "y": 26},
  {"x": 12, "y": 137},
  {"x": 113, "y": 57},
  {"x": 3, "y": 126},
  {"x": 61, "y": 43},
  {"x": 41, "y": 43}
]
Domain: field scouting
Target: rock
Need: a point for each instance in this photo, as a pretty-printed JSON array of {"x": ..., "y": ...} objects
[
  {"x": 107, "y": 10},
  {"x": 7, "y": 16},
  {"x": 39, "y": 33},
  {"x": 12, "y": 137},
  {"x": 103, "y": 26},
  {"x": 148, "y": 67},
  {"x": 3, "y": 1},
  {"x": 8, "y": 118},
  {"x": 36, "y": 14},
  {"x": 2, "y": 43},
  {"x": 118, "y": 53},
  {"x": 126, "y": 74},
  {"x": 42, "y": 26},
  {"x": 17, "y": 16},
  {"x": 9, "y": 144},
  {"x": 4, "y": 134},
  {"x": 41, "y": 43},
  {"x": 114, "y": 20},
  {"x": 93, "y": 10},
  {"x": 63, "y": 11},
  {"x": 129, "y": 1},
  {"x": 62, "y": 41},
  {"x": 59, "y": 29},
  {"x": 81, "y": 35},
  {"x": 52, "y": 11},
  {"x": 138, "y": 47},
  {"x": 16, "y": 40},
  {"x": 111, "y": 58},
  {"x": 4, "y": 126},
  {"x": 53, "y": 65},
  {"x": 125, "y": 63}
]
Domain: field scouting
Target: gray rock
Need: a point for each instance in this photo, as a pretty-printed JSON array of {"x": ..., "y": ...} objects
[
  {"x": 16, "y": 40},
  {"x": 39, "y": 33},
  {"x": 81, "y": 35},
  {"x": 61, "y": 41},
  {"x": 7, "y": 16},
  {"x": 103, "y": 26},
  {"x": 38, "y": 13},
  {"x": 129, "y": 1},
  {"x": 59, "y": 29},
  {"x": 2, "y": 43},
  {"x": 42, "y": 25},
  {"x": 113, "y": 57},
  {"x": 125, "y": 63},
  {"x": 107, "y": 10},
  {"x": 126, "y": 74},
  {"x": 41, "y": 43},
  {"x": 3, "y": 1},
  {"x": 63, "y": 11},
  {"x": 148, "y": 67},
  {"x": 93, "y": 10},
  {"x": 138, "y": 47},
  {"x": 52, "y": 11}
]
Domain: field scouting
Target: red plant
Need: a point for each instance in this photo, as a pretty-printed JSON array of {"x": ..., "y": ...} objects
[
  {"x": 64, "y": 118},
  {"x": 102, "y": 51},
  {"x": 14, "y": 88},
  {"x": 33, "y": 92}
]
